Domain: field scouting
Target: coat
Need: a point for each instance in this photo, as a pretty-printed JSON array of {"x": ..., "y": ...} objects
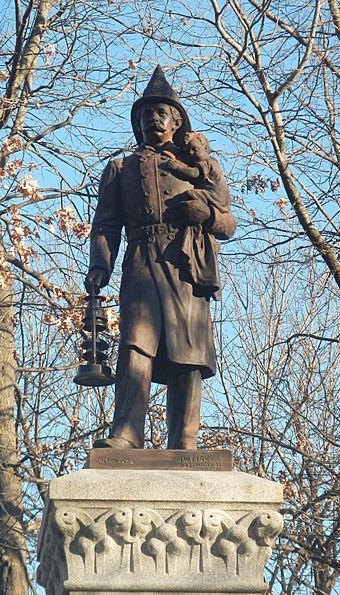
[{"x": 160, "y": 315}]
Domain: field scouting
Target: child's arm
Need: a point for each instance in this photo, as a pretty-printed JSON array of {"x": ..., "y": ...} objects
[{"x": 184, "y": 172}]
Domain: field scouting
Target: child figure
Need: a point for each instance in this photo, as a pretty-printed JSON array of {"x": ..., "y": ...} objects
[
  {"x": 197, "y": 166},
  {"x": 201, "y": 170},
  {"x": 199, "y": 248}
]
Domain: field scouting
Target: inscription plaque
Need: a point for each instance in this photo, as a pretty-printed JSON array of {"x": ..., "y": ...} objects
[{"x": 189, "y": 460}]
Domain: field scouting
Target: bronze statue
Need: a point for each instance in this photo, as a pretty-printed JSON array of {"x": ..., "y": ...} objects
[{"x": 173, "y": 202}]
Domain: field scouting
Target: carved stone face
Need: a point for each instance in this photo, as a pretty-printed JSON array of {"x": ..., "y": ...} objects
[{"x": 158, "y": 123}]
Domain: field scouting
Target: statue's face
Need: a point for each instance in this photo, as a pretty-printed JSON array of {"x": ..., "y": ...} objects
[{"x": 157, "y": 123}]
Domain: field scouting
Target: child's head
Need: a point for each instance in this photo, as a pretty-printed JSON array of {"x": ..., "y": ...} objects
[{"x": 196, "y": 146}]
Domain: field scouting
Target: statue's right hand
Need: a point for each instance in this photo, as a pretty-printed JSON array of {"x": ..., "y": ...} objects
[
  {"x": 95, "y": 279},
  {"x": 172, "y": 165}
]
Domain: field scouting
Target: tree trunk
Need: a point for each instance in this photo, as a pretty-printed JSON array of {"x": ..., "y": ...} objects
[{"x": 13, "y": 573}]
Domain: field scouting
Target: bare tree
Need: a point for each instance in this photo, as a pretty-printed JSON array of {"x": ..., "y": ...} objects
[
  {"x": 261, "y": 81},
  {"x": 13, "y": 570},
  {"x": 268, "y": 76},
  {"x": 277, "y": 406},
  {"x": 48, "y": 78}
]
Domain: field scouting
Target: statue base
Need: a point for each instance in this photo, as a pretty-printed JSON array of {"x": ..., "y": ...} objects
[
  {"x": 151, "y": 458},
  {"x": 158, "y": 532}
]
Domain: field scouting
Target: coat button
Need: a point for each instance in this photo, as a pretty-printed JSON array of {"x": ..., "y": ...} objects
[
  {"x": 147, "y": 193},
  {"x": 149, "y": 210},
  {"x": 151, "y": 239},
  {"x": 171, "y": 236},
  {"x": 145, "y": 174},
  {"x": 168, "y": 191}
]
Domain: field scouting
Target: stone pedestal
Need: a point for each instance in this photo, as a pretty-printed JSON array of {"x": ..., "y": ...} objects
[{"x": 148, "y": 532}]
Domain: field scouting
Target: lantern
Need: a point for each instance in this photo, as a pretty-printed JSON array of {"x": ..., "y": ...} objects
[{"x": 95, "y": 372}]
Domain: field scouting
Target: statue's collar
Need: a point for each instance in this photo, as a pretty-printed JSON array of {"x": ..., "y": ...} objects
[{"x": 168, "y": 148}]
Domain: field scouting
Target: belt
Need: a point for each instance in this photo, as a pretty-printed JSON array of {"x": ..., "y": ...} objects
[{"x": 150, "y": 231}]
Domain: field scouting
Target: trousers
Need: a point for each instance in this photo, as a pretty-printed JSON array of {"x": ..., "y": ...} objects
[{"x": 133, "y": 382}]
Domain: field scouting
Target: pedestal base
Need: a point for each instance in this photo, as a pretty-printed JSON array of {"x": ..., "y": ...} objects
[
  {"x": 157, "y": 593},
  {"x": 148, "y": 532}
]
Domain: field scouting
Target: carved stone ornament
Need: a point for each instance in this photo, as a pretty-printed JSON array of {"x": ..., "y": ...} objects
[{"x": 191, "y": 550}]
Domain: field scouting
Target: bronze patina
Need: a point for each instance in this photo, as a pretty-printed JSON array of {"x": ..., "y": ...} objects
[
  {"x": 174, "y": 204},
  {"x": 150, "y": 458}
]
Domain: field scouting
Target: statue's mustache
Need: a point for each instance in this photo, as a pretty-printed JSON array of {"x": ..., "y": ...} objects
[{"x": 154, "y": 125}]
